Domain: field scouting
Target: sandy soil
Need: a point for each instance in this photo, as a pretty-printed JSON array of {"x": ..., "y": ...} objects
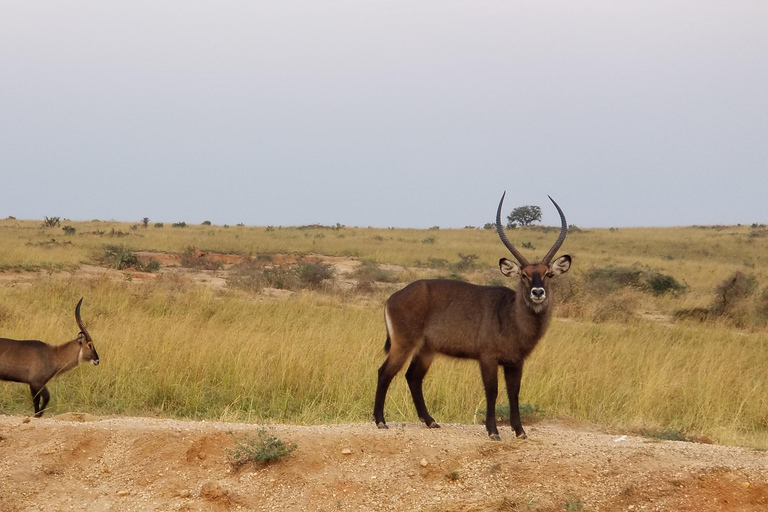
[{"x": 78, "y": 462}]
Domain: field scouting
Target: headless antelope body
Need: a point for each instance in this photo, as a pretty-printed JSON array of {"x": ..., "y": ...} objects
[
  {"x": 493, "y": 325},
  {"x": 35, "y": 363}
]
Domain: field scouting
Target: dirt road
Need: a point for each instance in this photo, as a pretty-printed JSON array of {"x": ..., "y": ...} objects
[{"x": 76, "y": 462}]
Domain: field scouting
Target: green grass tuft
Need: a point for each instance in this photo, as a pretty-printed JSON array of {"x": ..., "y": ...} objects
[{"x": 261, "y": 450}]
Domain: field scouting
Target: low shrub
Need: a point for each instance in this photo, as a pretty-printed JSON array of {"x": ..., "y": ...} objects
[
  {"x": 731, "y": 293},
  {"x": 659, "y": 283},
  {"x": 613, "y": 277},
  {"x": 371, "y": 272},
  {"x": 152, "y": 265},
  {"x": 466, "y": 262},
  {"x": 261, "y": 450},
  {"x": 52, "y": 222},
  {"x": 282, "y": 278},
  {"x": 255, "y": 275},
  {"x": 736, "y": 302},
  {"x": 667, "y": 434},
  {"x": 314, "y": 274},
  {"x": 120, "y": 257},
  {"x": 247, "y": 276}
]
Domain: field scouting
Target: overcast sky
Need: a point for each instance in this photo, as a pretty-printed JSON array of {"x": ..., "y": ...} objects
[{"x": 385, "y": 113}]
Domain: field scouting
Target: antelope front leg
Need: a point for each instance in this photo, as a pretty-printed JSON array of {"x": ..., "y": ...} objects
[
  {"x": 490, "y": 373},
  {"x": 513, "y": 374}
]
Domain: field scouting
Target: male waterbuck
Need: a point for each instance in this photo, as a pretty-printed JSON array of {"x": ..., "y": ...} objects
[
  {"x": 492, "y": 324},
  {"x": 35, "y": 363}
]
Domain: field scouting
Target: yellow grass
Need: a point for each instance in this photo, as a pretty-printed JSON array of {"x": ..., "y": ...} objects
[{"x": 171, "y": 348}]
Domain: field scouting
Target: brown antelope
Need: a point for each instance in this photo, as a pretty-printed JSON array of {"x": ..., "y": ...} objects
[
  {"x": 494, "y": 325},
  {"x": 35, "y": 363}
]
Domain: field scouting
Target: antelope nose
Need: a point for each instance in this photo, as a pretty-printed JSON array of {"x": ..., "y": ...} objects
[{"x": 537, "y": 293}]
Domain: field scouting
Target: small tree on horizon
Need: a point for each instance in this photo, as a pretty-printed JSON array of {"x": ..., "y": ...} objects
[{"x": 524, "y": 216}]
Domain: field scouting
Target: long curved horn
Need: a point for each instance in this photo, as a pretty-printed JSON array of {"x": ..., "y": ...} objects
[
  {"x": 80, "y": 321},
  {"x": 504, "y": 238},
  {"x": 563, "y": 231}
]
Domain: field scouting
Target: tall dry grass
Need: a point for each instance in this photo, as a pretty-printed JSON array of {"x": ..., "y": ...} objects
[{"x": 171, "y": 348}]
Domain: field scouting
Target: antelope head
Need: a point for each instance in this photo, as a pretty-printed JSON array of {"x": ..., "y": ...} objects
[
  {"x": 87, "y": 350},
  {"x": 534, "y": 277}
]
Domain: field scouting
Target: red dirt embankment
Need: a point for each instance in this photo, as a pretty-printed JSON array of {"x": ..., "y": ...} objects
[{"x": 77, "y": 462}]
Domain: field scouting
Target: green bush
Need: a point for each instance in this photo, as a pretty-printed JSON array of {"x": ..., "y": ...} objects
[
  {"x": 282, "y": 278},
  {"x": 52, "y": 222},
  {"x": 466, "y": 262},
  {"x": 262, "y": 450},
  {"x": 659, "y": 283},
  {"x": 120, "y": 257},
  {"x": 667, "y": 434},
  {"x": 371, "y": 272},
  {"x": 610, "y": 278},
  {"x": 314, "y": 274}
]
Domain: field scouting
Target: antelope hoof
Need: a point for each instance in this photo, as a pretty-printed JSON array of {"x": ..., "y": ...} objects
[
  {"x": 494, "y": 437},
  {"x": 382, "y": 426},
  {"x": 522, "y": 436},
  {"x": 434, "y": 424}
]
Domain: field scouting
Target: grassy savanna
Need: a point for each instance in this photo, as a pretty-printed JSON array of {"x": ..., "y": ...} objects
[{"x": 615, "y": 355}]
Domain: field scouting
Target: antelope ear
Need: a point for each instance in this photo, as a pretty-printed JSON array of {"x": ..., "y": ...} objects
[
  {"x": 81, "y": 338},
  {"x": 509, "y": 268},
  {"x": 560, "y": 265}
]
